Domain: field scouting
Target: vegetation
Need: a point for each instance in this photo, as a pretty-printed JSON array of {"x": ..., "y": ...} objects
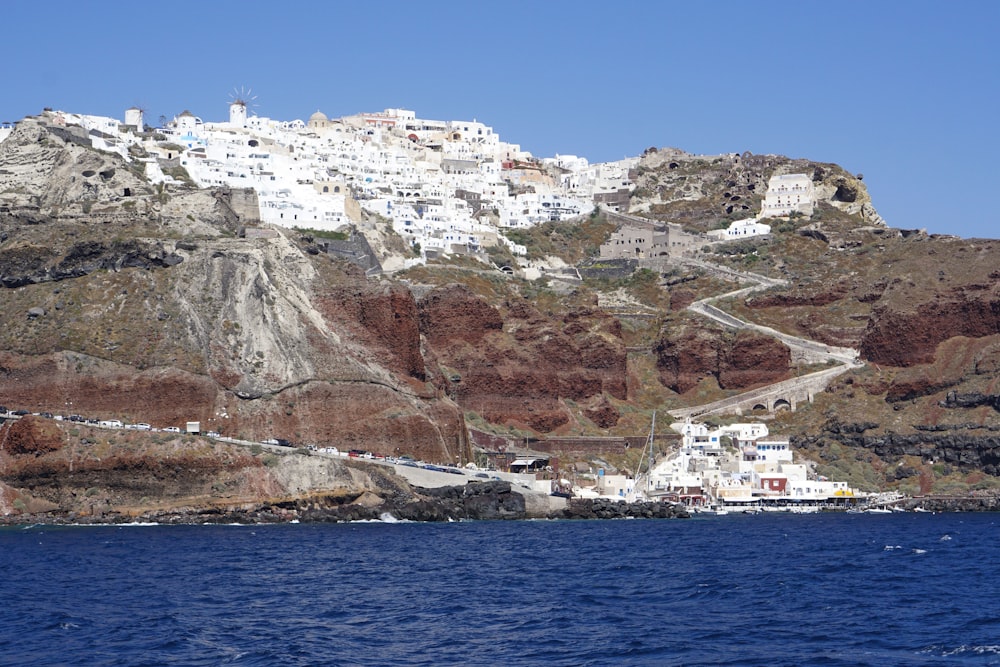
[
  {"x": 571, "y": 241},
  {"x": 323, "y": 233},
  {"x": 501, "y": 256},
  {"x": 179, "y": 173}
]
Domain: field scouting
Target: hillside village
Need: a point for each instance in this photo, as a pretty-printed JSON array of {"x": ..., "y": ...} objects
[
  {"x": 256, "y": 331},
  {"x": 448, "y": 187}
]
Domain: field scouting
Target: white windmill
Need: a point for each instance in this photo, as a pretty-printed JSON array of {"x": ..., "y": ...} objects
[
  {"x": 133, "y": 117},
  {"x": 240, "y": 99}
]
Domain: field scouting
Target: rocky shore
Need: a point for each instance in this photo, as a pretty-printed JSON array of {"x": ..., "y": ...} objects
[
  {"x": 476, "y": 501},
  {"x": 972, "y": 503},
  {"x": 605, "y": 508}
]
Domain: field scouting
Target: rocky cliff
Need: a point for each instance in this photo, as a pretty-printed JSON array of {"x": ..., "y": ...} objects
[
  {"x": 166, "y": 304},
  {"x": 688, "y": 354},
  {"x": 84, "y": 474},
  {"x": 514, "y": 365},
  {"x": 151, "y": 308}
]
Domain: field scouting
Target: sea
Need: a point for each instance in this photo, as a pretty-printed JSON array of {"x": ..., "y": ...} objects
[{"x": 771, "y": 589}]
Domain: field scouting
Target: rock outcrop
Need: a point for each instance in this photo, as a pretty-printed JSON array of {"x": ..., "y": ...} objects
[
  {"x": 516, "y": 365},
  {"x": 968, "y": 446},
  {"x": 601, "y": 508},
  {"x": 702, "y": 191},
  {"x": 972, "y": 311},
  {"x": 686, "y": 355}
]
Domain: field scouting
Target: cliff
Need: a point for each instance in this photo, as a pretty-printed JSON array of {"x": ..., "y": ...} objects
[
  {"x": 165, "y": 304},
  {"x": 84, "y": 475}
]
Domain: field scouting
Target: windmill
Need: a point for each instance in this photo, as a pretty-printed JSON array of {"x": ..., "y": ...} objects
[
  {"x": 239, "y": 100},
  {"x": 134, "y": 116}
]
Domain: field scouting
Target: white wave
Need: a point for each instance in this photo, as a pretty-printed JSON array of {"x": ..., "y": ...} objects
[{"x": 987, "y": 649}]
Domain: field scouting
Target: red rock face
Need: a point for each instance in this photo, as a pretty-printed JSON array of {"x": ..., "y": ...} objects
[
  {"x": 754, "y": 359},
  {"x": 516, "y": 368},
  {"x": 366, "y": 416},
  {"x": 453, "y": 314},
  {"x": 969, "y": 363},
  {"x": 902, "y": 333},
  {"x": 66, "y": 383},
  {"x": 686, "y": 356},
  {"x": 30, "y": 435},
  {"x": 382, "y": 317},
  {"x": 602, "y": 413}
]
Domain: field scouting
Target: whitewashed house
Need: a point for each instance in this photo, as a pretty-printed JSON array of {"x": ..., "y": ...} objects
[
  {"x": 786, "y": 194},
  {"x": 741, "y": 229}
]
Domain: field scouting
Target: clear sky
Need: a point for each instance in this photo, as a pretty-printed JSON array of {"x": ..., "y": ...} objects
[{"x": 904, "y": 92}]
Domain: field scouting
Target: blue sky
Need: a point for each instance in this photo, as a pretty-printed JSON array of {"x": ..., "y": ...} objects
[{"x": 904, "y": 92}]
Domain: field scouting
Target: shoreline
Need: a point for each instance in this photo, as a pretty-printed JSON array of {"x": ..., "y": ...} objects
[{"x": 444, "y": 512}]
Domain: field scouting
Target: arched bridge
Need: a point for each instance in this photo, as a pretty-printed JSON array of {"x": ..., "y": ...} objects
[{"x": 785, "y": 395}]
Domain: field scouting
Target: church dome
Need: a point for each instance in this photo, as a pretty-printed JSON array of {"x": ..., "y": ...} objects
[{"x": 317, "y": 117}]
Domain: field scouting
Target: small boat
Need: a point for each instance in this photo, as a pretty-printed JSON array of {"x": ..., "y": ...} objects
[
  {"x": 921, "y": 509},
  {"x": 878, "y": 510}
]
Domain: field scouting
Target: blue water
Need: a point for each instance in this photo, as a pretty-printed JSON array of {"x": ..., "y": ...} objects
[{"x": 902, "y": 589}]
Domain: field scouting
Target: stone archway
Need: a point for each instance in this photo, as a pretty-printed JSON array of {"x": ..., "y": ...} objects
[{"x": 782, "y": 404}]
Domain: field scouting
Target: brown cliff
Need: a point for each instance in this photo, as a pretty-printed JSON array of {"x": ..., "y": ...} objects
[
  {"x": 687, "y": 354},
  {"x": 516, "y": 365},
  {"x": 905, "y": 330}
]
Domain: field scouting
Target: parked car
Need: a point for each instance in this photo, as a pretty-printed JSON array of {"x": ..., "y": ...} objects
[
  {"x": 269, "y": 441},
  {"x": 213, "y": 434},
  {"x": 172, "y": 429}
]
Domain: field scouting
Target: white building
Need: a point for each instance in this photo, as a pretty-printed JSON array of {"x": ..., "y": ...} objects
[
  {"x": 447, "y": 186},
  {"x": 238, "y": 114},
  {"x": 741, "y": 229},
  {"x": 738, "y": 464},
  {"x": 133, "y": 117},
  {"x": 786, "y": 194}
]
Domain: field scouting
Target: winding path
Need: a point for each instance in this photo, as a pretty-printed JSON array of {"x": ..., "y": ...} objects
[{"x": 780, "y": 394}]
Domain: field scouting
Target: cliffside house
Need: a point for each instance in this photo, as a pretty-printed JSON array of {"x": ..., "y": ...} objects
[{"x": 787, "y": 193}]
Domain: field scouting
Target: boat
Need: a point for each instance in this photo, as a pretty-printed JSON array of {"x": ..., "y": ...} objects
[
  {"x": 878, "y": 510},
  {"x": 646, "y": 456}
]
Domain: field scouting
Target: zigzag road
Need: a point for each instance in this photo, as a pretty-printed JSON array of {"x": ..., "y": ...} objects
[{"x": 805, "y": 349}]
